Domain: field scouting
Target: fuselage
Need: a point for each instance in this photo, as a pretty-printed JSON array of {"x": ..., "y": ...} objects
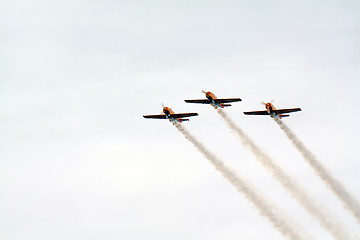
[
  {"x": 168, "y": 111},
  {"x": 270, "y": 109},
  {"x": 212, "y": 97}
]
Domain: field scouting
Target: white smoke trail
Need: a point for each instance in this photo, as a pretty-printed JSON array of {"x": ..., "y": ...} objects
[
  {"x": 299, "y": 193},
  {"x": 266, "y": 208},
  {"x": 338, "y": 189}
]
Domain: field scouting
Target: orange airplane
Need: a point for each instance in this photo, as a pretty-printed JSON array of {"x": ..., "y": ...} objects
[
  {"x": 169, "y": 114},
  {"x": 273, "y": 112},
  {"x": 214, "y": 101}
]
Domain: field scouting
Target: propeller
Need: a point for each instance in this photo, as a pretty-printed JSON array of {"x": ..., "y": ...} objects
[
  {"x": 203, "y": 91},
  {"x": 264, "y": 103},
  {"x": 162, "y": 105}
]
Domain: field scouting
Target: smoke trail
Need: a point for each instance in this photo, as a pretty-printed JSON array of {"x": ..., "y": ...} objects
[
  {"x": 303, "y": 198},
  {"x": 338, "y": 189},
  {"x": 288, "y": 229}
]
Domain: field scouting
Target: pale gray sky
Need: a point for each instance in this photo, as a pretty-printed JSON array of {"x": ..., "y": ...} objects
[{"x": 78, "y": 161}]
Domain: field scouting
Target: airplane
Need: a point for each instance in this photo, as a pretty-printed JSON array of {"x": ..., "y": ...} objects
[
  {"x": 273, "y": 112},
  {"x": 169, "y": 114},
  {"x": 214, "y": 101}
]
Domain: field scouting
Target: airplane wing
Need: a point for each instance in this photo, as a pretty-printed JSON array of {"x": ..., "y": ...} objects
[
  {"x": 182, "y": 115},
  {"x": 257, "y": 113},
  {"x": 203, "y": 101},
  {"x": 161, "y": 116},
  {"x": 281, "y": 111},
  {"x": 227, "y": 100}
]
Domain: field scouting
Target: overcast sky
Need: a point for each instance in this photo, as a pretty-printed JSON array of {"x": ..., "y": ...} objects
[{"x": 78, "y": 160}]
